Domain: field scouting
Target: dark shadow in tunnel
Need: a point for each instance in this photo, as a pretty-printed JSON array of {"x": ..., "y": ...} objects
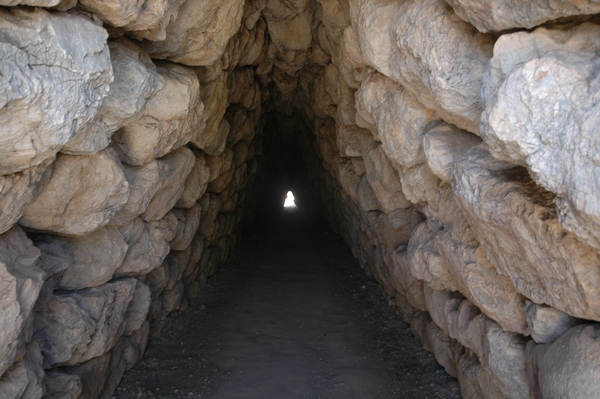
[{"x": 288, "y": 172}]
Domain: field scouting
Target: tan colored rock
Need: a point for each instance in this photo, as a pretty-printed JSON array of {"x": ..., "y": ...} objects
[
  {"x": 443, "y": 347},
  {"x": 17, "y": 190},
  {"x": 516, "y": 224},
  {"x": 179, "y": 165},
  {"x": 148, "y": 244},
  {"x": 144, "y": 20},
  {"x": 144, "y": 182},
  {"x": 25, "y": 378},
  {"x": 212, "y": 139},
  {"x": 20, "y": 284},
  {"x": 188, "y": 222},
  {"x": 353, "y": 141},
  {"x": 82, "y": 195},
  {"x": 196, "y": 183},
  {"x": 541, "y": 113},
  {"x": 90, "y": 260},
  {"x": 33, "y": 3},
  {"x": 137, "y": 310},
  {"x": 135, "y": 81},
  {"x": 199, "y": 33},
  {"x": 425, "y": 261},
  {"x": 55, "y": 72},
  {"x": 475, "y": 381},
  {"x": 384, "y": 180},
  {"x": 435, "y": 300},
  {"x": 352, "y": 65},
  {"x": 420, "y": 185},
  {"x": 568, "y": 367},
  {"x": 168, "y": 122},
  {"x": 400, "y": 119},
  {"x": 293, "y": 32},
  {"x": 394, "y": 40},
  {"x": 405, "y": 283},
  {"x": 443, "y": 145},
  {"x": 80, "y": 326},
  {"x": 475, "y": 275},
  {"x": 546, "y": 323},
  {"x": 499, "y": 15}
]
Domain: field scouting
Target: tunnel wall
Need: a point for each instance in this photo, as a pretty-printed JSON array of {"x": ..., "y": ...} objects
[{"x": 453, "y": 145}]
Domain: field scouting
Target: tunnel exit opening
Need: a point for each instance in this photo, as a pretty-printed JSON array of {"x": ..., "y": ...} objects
[{"x": 290, "y": 201}]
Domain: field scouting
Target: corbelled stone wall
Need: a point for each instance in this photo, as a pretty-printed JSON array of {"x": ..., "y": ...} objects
[{"x": 453, "y": 143}]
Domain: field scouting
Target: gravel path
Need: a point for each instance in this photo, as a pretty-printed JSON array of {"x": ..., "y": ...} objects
[{"x": 289, "y": 315}]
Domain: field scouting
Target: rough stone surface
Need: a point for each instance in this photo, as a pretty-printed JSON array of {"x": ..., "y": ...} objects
[
  {"x": 135, "y": 81},
  {"x": 90, "y": 260},
  {"x": 503, "y": 205},
  {"x": 55, "y": 72},
  {"x": 167, "y": 123},
  {"x": 76, "y": 327},
  {"x": 199, "y": 33},
  {"x": 499, "y": 15},
  {"x": 20, "y": 284},
  {"x": 196, "y": 183},
  {"x": 82, "y": 195},
  {"x": 17, "y": 190},
  {"x": 25, "y": 378},
  {"x": 541, "y": 112},
  {"x": 569, "y": 366},
  {"x": 546, "y": 323}
]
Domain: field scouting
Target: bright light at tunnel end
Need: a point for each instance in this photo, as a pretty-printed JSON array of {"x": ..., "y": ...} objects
[{"x": 290, "y": 201}]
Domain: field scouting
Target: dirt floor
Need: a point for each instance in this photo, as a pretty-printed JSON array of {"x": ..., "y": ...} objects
[{"x": 289, "y": 315}]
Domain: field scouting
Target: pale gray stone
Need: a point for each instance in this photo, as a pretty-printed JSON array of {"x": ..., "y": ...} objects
[
  {"x": 567, "y": 368},
  {"x": 384, "y": 180},
  {"x": 499, "y": 15},
  {"x": 82, "y": 195},
  {"x": 516, "y": 224},
  {"x": 25, "y": 377},
  {"x": 199, "y": 33},
  {"x": 443, "y": 145},
  {"x": 196, "y": 183},
  {"x": 76, "y": 327},
  {"x": 148, "y": 244},
  {"x": 17, "y": 190},
  {"x": 541, "y": 112},
  {"x": 142, "y": 19},
  {"x": 168, "y": 121},
  {"x": 188, "y": 222},
  {"x": 90, "y": 260},
  {"x": 546, "y": 323},
  {"x": 33, "y": 3},
  {"x": 394, "y": 40},
  {"x": 55, "y": 72},
  {"x": 135, "y": 81},
  {"x": 179, "y": 165},
  {"x": 400, "y": 119},
  {"x": 476, "y": 277},
  {"x": 20, "y": 284}
]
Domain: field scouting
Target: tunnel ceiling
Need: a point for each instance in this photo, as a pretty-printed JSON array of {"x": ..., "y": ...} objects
[{"x": 451, "y": 143}]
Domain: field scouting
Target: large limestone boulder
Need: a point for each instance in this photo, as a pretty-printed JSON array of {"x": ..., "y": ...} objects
[
  {"x": 25, "y": 377},
  {"x": 546, "y": 323},
  {"x": 516, "y": 224},
  {"x": 135, "y": 81},
  {"x": 400, "y": 119},
  {"x": 143, "y": 19},
  {"x": 82, "y": 195},
  {"x": 541, "y": 112},
  {"x": 199, "y": 33},
  {"x": 395, "y": 40},
  {"x": 499, "y": 15},
  {"x": 213, "y": 137},
  {"x": 55, "y": 72},
  {"x": 88, "y": 261},
  {"x": 384, "y": 180},
  {"x": 148, "y": 244},
  {"x": 568, "y": 368},
  {"x": 168, "y": 122},
  {"x": 188, "y": 221},
  {"x": 76, "y": 327},
  {"x": 17, "y": 190},
  {"x": 179, "y": 165},
  {"x": 20, "y": 284}
]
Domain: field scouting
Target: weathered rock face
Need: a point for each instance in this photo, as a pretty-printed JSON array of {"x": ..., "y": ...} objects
[{"x": 460, "y": 166}]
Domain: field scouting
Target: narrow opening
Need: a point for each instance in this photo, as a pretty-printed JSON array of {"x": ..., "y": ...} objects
[{"x": 290, "y": 201}]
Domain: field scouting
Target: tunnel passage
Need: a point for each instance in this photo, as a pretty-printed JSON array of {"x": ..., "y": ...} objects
[{"x": 450, "y": 145}]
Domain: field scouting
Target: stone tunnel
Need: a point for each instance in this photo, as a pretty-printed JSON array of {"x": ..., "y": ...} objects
[{"x": 449, "y": 143}]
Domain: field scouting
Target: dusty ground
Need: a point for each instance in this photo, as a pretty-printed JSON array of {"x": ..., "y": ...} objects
[{"x": 290, "y": 315}]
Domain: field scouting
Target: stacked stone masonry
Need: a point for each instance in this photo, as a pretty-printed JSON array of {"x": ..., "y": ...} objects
[{"x": 452, "y": 143}]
